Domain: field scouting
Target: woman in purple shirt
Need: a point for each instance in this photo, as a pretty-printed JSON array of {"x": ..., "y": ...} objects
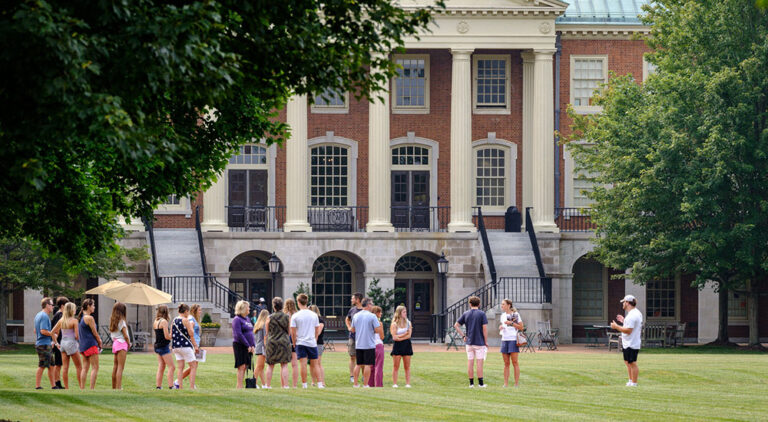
[{"x": 243, "y": 343}]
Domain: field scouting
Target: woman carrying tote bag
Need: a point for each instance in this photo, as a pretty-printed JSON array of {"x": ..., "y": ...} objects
[{"x": 510, "y": 327}]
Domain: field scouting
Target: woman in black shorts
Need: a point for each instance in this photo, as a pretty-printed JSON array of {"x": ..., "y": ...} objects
[{"x": 401, "y": 331}]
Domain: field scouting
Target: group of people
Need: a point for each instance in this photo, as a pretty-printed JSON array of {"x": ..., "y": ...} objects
[
  {"x": 287, "y": 336},
  {"x": 67, "y": 335}
]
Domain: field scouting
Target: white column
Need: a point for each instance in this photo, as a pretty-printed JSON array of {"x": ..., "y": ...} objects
[
  {"x": 709, "y": 314},
  {"x": 214, "y": 205},
  {"x": 461, "y": 142},
  {"x": 528, "y": 60},
  {"x": 379, "y": 162},
  {"x": 296, "y": 179},
  {"x": 542, "y": 135}
]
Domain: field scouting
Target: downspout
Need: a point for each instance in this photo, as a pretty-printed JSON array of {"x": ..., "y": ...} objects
[{"x": 559, "y": 47}]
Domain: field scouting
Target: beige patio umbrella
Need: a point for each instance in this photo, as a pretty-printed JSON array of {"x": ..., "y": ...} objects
[
  {"x": 139, "y": 294},
  {"x": 100, "y": 290}
]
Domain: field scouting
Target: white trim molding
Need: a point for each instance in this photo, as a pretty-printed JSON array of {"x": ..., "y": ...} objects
[
  {"x": 510, "y": 189},
  {"x": 184, "y": 207},
  {"x": 351, "y": 145}
]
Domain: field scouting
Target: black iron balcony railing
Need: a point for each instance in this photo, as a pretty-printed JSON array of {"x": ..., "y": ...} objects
[
  {"x": 574, "y": 219},
  {"x": 256, "y": 218},
  {"x": 337, "y": 219},
  {"x": 420, "y": 218}
]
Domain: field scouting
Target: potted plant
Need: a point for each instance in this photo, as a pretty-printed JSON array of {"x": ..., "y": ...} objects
[{"x": 209, "y": 330}]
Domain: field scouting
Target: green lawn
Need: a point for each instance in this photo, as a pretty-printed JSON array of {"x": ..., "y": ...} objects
[{"x": 573, "y": 386}]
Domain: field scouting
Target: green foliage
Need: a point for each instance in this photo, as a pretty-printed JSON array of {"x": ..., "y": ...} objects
[
  {"x": 106, "y": 108},
  {"x": 210, "y": 325},
  {"x": 384, "y": 298},
  {"x": 680, "y": 161},
  {"x": 303, "y": 288},
  {"x": 206, "y": 319}
]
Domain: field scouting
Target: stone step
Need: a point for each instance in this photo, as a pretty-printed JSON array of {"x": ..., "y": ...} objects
[{"x": 178, "y": 252}]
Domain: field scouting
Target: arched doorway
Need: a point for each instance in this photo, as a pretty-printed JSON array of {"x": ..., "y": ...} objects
[
  {"x": 250, "y": 277},
  {"x": 415, "y": 289}
]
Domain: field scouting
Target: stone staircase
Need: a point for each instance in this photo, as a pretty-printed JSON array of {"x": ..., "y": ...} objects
[
  {"x": 512, "y": 254},
  {"x": 178, "y": 255}
]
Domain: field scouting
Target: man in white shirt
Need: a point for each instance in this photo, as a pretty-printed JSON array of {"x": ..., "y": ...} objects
[
  {"x": 305, "y": 328},
  {"x": 631, "y": 328}
]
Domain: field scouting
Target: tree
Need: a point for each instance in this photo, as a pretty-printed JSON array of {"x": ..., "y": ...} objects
[
  {"x": 25, "y": 264},
  {"x": 385, "y": 299},
  {"x": 106, "y": 108},
  {"x": 303, "y": 288},
  {"x": 680, "y": 161}
]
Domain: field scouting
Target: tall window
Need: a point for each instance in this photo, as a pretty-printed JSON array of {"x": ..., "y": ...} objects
[
  {"x": 411, "y": 85},
  {"x": 737, "y": 305},
  {"x": 332, "y": 285},
  {"x": 587, "y": 73},
  {"x": 661, "y": 296},
  {"x": 583, "y": 183},
  {"x": 588, "y": 289},
  {"x": 329, "y": 177},
  {"x": 250, "y": 154},
  {"x": 491, "y": 74},
  {"x": 490, "y": 177}
]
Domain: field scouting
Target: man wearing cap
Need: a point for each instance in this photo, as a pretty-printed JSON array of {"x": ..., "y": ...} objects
[
  {"x": 630, "y": 330},
  {"x": 260, "y": 306}
]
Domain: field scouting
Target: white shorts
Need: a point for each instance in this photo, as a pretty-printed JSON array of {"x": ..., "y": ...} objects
[
  {"x": 476, "y": 352},
  {"x": 186, "y": 354}
]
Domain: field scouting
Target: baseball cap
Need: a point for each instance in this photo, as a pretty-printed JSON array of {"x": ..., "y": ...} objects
[
  {"x": 628, "y": 298},
  {"x": 261, "y": 299}
]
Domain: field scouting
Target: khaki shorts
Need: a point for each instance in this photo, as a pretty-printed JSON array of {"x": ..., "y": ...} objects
[{"x": 351, "y": 347}]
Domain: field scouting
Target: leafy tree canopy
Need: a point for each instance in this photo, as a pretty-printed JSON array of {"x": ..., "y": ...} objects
[{"x": 108, "y": 107}]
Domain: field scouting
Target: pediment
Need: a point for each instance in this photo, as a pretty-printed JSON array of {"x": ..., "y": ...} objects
[{"x": 515, "y": 7}]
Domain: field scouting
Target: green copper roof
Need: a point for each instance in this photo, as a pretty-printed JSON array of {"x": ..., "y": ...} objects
[{"x": 608, "y": 12}]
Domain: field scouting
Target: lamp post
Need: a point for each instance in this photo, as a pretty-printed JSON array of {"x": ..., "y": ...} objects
[
  {"x": 442, "y": 270},
  {"x": 274, "y": 268}
]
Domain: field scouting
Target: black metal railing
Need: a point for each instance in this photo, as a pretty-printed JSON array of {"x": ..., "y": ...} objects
[
  {"x": 574, "y": 219},
  {"x": 148, "y": 227},
  {"x": 337, "y": 219},
  {"x": 420, "y": 218},
  {"x": 200, "y": 240},
  {"x": 517, "y": 289},
  {"x": 525, "y": 289},
  {"x": 486, "y": 244},
  {"x": 202, "y": 289},
  {"x": 256, "y": 218},
  {"x": 534, "y": 243}
]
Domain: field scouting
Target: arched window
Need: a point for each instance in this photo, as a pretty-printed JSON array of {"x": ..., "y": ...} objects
[
  {"x": 329, "y": 176},
  {"x": 248, "y": 262},
  {"x": 413, "y": 264},
  {"x": 332, "y": 285}
]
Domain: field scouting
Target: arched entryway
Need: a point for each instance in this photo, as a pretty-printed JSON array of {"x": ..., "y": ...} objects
[
  {"x": 416, "y": 288},
  {"x": 249, "y": 276},
  {"x": 335, "y": 276}
]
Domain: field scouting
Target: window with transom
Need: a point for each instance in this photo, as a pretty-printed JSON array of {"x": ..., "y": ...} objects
[
  {"x": 410, "y": 155},
  {"x": 329, "y": 176},
  {"x": 413, "y": 264},
  {"x": 661, "y": 296},
  {"x": 411, "y": 89},
  {"x": 331, "y": 285},
  {"x": 587, "y": 73},
  {"x": 490, "y": 177},
  {"x": 250, "y": 154},
  {"x": 491, "y": 80}
]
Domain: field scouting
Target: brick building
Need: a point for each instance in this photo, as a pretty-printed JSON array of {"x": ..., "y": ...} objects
[{"x": 366, "y": 191}]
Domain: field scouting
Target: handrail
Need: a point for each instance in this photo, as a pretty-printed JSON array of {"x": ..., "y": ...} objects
[
  {"x": 486, "y": 244},
  {"x": 534, "y": 243},
  {"x": 148, "y": 227},
  {"x": 574, "y": 219},
  {"x": 202, "y": 289},
  {"x": 199, "y": 230}
]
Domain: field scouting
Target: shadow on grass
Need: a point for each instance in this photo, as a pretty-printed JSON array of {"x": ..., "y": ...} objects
[
  {"x": 17, "y": 349},
  {"x": 704, "y": 349}
]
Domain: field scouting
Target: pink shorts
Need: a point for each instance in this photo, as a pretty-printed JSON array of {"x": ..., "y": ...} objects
[
  {"x": 476, "y": 352},
  {"x": 119, "y": 345}
]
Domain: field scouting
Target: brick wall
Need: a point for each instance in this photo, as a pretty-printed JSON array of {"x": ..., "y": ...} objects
[{"x": 163, "y": 221}]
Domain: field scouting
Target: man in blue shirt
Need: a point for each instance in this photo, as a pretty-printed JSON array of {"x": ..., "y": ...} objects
[
  {"x": 43, "y": 343},
  {"x": 476, "y": 338},
  {"x": 366, "y": 327}
]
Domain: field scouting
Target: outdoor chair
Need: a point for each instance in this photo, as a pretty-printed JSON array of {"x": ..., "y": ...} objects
[
  {"x": 614, "y": 340},
  {"x": 547, "y": 335},
  {"x": 654, "y": 335},
  {"x": 678, "y": 338},
  {"x": 106, "y": 339},
  {"x": 453, "y": 338},
  {"x": 531, "y": 336}
]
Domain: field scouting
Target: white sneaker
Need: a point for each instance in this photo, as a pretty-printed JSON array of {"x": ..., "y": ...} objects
[
  {"x": 352, "y": 379},
  {"x": 287, "y": 387},
  {"x": 394, "y": 385},
  {"x": 320, "y": 385},
  {"x": 628, "y": 384},
  {"x": 356, "y": 385},
  {"x": 366, "y": 386},
  {"x": 483, "y": 386},
  {"x": 407, "y": 385},
  {"x": 471, "y": 385}
]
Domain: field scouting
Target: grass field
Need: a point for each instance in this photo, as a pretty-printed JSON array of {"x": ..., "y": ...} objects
[{"x": 696, "y": 384}]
